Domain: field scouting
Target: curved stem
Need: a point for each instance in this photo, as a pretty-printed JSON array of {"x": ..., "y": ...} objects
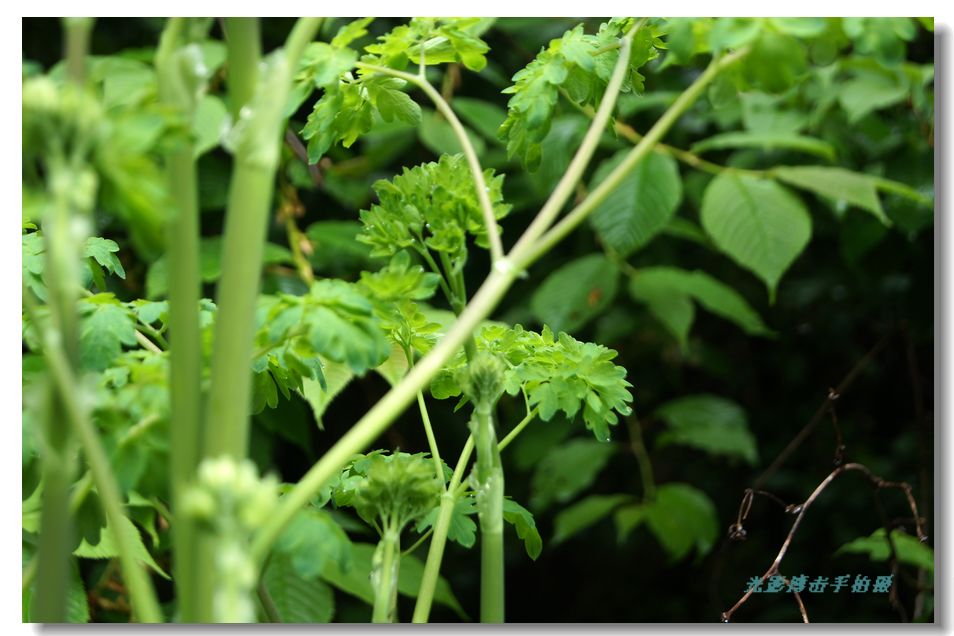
[
  {"x": 487, "y": 209},
  {"x": 576, "y": 216}
]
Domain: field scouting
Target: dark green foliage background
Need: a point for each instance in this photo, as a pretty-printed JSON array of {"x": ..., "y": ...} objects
[{"x": 854, "y": 285}]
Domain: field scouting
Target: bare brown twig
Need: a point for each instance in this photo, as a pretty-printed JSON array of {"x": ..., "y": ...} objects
[{"x": 801, "y": 509}]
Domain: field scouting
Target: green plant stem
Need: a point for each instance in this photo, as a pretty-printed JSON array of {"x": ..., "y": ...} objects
[
  {"x": 487, "y": 209},
  {"x": 377, "y": 419},
  {"x": 185, "y": 356},
  {"x": 268, "y": 603},
  {"x": 141, "y": 592},
  {"x": 243, "y": 40},
  {"x": 642, "y": 458},
  {"x": 574, "y": 172},
  {"x": 257, "y": 145},
  {"x": 250, "y": 195},
  {"x": 490, "y": 497},
  {"x": 77, "y": 44},
  {"x": 384, "y": 576},
  {"x": 431, "y": 440},
  {"x": 576, "y": 216},
  {"x": 62, "y": 261},
  {"x": 435, "y": 552}
]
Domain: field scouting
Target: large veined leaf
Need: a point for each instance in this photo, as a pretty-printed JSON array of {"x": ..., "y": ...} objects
[
  {"x": 356, "y": 580},
  {"x": 669, "y": 293},
  {"x": 462, "y": 529},
  {"x": 337, "y": 376},
  {"x": 837, "y": 183},
  {"x": 641, "y": 206},
  {"x": 106, "y": 547},
  {"x": 567, "y": 470},
  {"x": 758, "y": 223},
  {"x": 710, "y": 423},
  {"x": 523, "y": 522},
  {"x": 766, "y": 140},
  {"x": 297, "y": 599},
  {"x": 908, "y": 549},
  {"x": 574, "y": 294},
  {"x": 681, "y": 517},
  {"x": 585, "y": 513}
]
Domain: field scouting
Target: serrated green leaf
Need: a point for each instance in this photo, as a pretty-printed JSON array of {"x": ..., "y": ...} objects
[
  {"x": 838, "y": 184},
  {"x": 105, "y": 327},
  {"x": 581, "y": 65},
  {"x": 641, "y": 206},
  {"x": 907, "y": 548},
  {"x": 761, "y": 225},
  {"x": 462, "y": 529},
  {"x": 585, "y": 513},
  {"x": 337, "y": 377},
  {"x": 869, "y": 90},
  {"x": 567, "y": 470},
  {"x": 575, "y": 293},
  {"x": 312, "y": 540},
  {"x": 298, "y": 599},
  {"x": 668, "y": 292},
  {"x": 103, "y": 251},
  {"x": 523, "y": 522},
  {"x": 682, "y": 518},
  {"x": 106, "y": 548},
  {"x": 710, "y": 423}
]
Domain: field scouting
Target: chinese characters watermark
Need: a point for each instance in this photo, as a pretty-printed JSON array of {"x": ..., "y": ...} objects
[{"x": 801, "y": 583}]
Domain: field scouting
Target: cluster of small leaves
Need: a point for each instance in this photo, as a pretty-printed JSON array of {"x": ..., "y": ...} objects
[
  {"x": 433, "y": 206},
  {"x": 389, "y": 490},
  {"x": 350, "y": 105},
  {"x": 393, "y": 289},
  {"x": 555, "y": 373},
  {"x": 333, "y": 320},
  {"x": 579, "y": 64},
  {"x": 100, "y": 255}
]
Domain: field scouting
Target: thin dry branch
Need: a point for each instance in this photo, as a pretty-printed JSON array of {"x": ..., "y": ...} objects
[{"x": 801, "y": 509}]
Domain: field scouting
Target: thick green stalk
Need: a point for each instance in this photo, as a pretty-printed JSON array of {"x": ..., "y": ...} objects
[
  {"x": 256, "y": 147},
  {"x": 435, "y": 553},
  {"x": 143, "y": 597},
  {"x": 386, "y": 567},
  {"x": 256, "y": 143},
  {"x": 490, "y": 497},
  {"x": 244, "y": 55},
  {"x": 62, "y": 258},
  {"x": 185, "y": 354},
  {"x": 376, "y": 420}
]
